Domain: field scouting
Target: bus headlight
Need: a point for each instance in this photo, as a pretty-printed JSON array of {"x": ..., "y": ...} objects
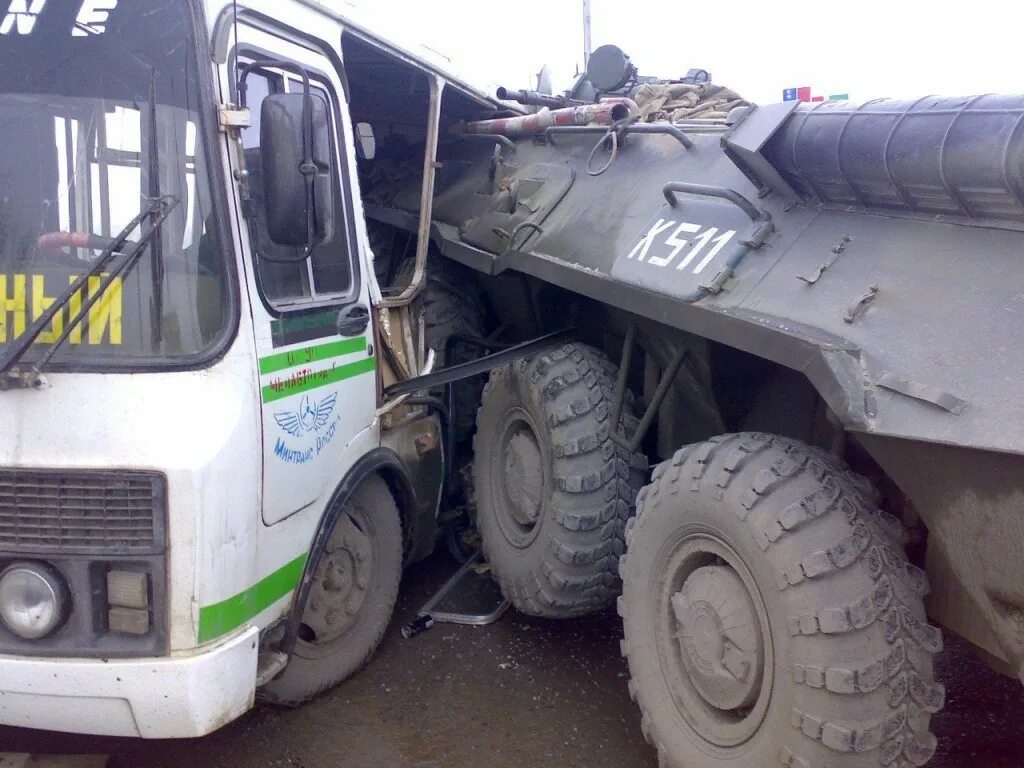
[{"x": 33, "y": 600}]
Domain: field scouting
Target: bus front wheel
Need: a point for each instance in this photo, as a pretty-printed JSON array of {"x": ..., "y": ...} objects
[{"x": 351, "y": 598}]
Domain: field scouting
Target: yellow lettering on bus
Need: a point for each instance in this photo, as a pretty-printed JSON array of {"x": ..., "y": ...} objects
[
  {"x": 40, "y": 303},
  {"x": 13, "y": 303},
  {"x": 104, "y": 318},
  {"x": 74, "y": 307},
  {"x": 105, "y": 314}
]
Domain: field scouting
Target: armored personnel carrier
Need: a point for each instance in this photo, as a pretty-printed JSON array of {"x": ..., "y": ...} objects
[
  {"x": 750, "y": 373},
  {"x": 803, "y": 317}
]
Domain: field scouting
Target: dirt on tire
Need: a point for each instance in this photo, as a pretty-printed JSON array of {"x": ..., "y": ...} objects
[
  {"x": 315, "y": 668},
  {"x": 852, "y": 682},
  {"x": 569, "y": 567}
]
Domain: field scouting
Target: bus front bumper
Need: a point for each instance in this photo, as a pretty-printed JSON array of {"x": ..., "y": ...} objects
[{"x": 175, "y": 697}]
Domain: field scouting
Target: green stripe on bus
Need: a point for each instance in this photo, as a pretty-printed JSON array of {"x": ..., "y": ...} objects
[
  {"x": 220, "y": 618},
  {"x": 296, "y": 357},
  {"x": 303, "y": 381}
]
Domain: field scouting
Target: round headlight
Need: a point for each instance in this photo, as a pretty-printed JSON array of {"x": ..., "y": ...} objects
[{"x": 32, "y": 600}]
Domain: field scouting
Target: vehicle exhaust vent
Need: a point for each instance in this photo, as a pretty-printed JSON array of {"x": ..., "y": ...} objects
[{"x": 47, "y": 511}]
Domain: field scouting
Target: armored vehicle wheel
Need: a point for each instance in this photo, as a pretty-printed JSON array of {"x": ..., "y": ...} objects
[
  {"x": 451, "y": 304},
  {"x": 351, "y": 600},
  {"x": 771, "y": 617},
  {"x": 553, "y": 490}
]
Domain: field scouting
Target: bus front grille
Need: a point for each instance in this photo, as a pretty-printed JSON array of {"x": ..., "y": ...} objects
[{"x": 80, "y": 511}]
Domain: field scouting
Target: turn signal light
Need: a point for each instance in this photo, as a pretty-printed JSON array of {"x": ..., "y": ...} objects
[{"x": 128, "y": 597}]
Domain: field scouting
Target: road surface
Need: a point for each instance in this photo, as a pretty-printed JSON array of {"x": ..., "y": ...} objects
[{"x": 522, "y": 692}]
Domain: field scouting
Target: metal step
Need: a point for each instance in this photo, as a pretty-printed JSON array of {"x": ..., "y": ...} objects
[
  {"x": 469, "y": 597},
  {"x": 268, "y": 666}
]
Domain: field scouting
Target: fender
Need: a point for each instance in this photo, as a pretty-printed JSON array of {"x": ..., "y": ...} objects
[{"x": 382, "y": 461}]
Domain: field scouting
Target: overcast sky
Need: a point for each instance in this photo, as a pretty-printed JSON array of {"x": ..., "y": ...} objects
[{"x": 867, "y": 48}]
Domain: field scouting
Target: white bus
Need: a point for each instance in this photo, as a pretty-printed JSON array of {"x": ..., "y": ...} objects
[{"x": 192, "y": 427}]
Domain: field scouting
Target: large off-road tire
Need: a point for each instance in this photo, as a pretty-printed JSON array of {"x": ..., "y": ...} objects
[
  {"x": 452, "y": 305},
  {"x": 553, "y": 490},
  {"x": 351, "y": 600},
  {"x": 771, "y": 617}
]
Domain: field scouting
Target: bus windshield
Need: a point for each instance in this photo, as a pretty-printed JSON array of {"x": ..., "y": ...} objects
[{"x": 99, "y": 111}]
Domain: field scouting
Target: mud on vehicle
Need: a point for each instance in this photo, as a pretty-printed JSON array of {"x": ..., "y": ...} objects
[
  {"x": 763, "y": 307},
  {"x": 750, "y": 374}
]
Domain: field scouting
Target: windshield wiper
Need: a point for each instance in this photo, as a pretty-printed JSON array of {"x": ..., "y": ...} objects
[
  {"x": 156, "y": 261},
  {"x": 155, "y": 209}
]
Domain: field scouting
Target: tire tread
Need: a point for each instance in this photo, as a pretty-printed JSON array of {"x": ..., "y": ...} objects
[
  {"x": 759, "y": 466},
  {"x": 595, "y": 483}
]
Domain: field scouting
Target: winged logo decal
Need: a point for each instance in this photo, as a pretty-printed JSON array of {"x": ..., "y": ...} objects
[{"x": 310, "y": 417}]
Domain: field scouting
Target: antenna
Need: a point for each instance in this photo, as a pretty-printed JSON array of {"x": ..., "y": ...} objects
[{"x": 586, "y": 33}]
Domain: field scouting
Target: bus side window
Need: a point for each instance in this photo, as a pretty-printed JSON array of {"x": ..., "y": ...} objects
[{"x": 327, "y": 275}]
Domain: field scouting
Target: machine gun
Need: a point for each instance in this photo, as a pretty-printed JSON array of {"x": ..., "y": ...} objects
[{"x": 534, "y": 98}]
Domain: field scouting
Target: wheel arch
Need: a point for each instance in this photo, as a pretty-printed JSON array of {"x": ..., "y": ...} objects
[{"x": 380, "y": 462}]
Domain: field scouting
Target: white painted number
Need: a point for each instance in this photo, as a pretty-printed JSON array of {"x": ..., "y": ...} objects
[
  {"x": 676, "y": 243},
  {"x": 702, "y": 238},
  {"x": 645, "y": 244}
]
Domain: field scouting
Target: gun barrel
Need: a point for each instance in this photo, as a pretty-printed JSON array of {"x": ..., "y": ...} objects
[
  {"x": 603, "y": 113},
  {"x": 531, "y": 98}
]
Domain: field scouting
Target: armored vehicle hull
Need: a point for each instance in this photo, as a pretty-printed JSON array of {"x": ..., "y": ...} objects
[{"x": 843, "y": 275}]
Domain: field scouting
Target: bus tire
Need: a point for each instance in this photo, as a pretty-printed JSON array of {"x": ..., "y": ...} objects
[
  {"x": 351, "y": 599},
  {"x": 553, "y": 490},
  {"x": 770, "y": 614}
]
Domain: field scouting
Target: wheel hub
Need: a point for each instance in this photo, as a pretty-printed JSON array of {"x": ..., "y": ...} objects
[
  {"x": 720, "y": 637},
  {"x": 340, "y": 582},
  {"x": 523, "y": 477}
]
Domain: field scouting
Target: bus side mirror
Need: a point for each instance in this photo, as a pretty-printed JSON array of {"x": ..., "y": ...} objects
[{"x": 290, "y": 183}]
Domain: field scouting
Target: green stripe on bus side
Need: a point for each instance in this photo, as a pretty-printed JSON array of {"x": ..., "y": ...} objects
[
  {"x": 304, "y": 381},
  {"x": 220, "y": 618},
  {"x": 296, "y": 357}
]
